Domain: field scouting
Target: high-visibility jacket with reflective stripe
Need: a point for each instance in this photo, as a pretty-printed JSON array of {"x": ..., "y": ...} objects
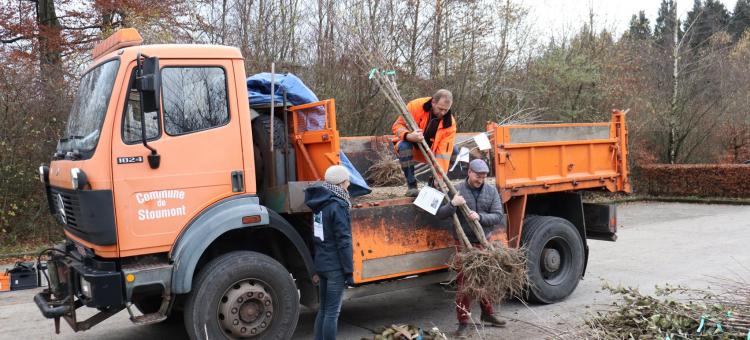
[{"x": 445, "y": 137}]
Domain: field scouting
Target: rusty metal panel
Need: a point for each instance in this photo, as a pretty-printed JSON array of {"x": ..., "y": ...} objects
[
  {"x": 533, "y": 134},
  {"x": 392, "y": 230},
  {"x": 394, "y": 238},
  {"x": 406, "y": 263}
]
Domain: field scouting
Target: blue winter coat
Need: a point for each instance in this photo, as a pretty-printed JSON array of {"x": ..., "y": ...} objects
[{"x": 334, "y": 251}]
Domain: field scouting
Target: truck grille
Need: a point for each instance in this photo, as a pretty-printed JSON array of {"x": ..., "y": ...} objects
[
  {"x": 66, "y": 206},
  {"x": 87, "y": 214}
]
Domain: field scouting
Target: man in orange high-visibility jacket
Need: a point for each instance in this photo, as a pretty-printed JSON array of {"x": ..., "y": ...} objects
[{"x": 436, "y": 126}]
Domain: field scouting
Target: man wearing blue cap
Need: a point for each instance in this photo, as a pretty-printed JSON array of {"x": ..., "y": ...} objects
[{"x": 485, "y": 207}]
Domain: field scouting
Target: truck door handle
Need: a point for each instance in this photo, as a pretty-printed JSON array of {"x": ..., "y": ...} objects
[{"x": 238, "y": 181}]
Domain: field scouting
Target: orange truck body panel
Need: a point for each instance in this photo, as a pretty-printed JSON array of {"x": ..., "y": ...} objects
[
  {"x": 317, "y": 148},
  {"x": 534, "y": 166}
]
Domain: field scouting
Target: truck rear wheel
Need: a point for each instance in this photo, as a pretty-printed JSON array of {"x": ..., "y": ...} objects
[
  {"x": 554, "y": 257},
  {"x": 242, "y": 295}
]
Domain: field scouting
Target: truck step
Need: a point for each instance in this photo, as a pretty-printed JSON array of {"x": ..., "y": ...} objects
[{"x": 148, "y": 319}]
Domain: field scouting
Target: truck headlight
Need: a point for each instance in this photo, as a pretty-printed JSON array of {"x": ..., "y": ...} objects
[
  {"x": 74, "y": 177},
  {"x": 85, "y": 287},
  {"x": 43, "y": 173},
  {"x": 78, "y": 178}
]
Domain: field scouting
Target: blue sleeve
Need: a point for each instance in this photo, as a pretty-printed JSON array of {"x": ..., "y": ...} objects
[{"x": 342, "y": 232}]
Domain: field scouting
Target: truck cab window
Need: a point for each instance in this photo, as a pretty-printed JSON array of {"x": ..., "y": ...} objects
[
  {"x": 132, "y": 119},
  {"x": 195, "y": 99}
]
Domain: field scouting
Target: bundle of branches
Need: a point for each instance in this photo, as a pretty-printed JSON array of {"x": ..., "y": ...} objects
[
  {"x": 504, "y": 267},
  {"x": 406, "y": 332},
  {"x": 385, "y": 170},
  {"x": 675, "y": 313}
]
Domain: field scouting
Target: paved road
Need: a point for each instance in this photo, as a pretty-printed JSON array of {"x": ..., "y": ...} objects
[{"x": 658, "y": 243}]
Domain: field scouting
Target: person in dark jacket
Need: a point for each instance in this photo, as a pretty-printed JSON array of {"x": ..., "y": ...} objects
[
  {"x": 332, "y": 231},
  {"x": 486, "y": 207}
]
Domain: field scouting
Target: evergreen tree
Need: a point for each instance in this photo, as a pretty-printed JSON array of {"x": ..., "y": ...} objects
[
  {"x": 663, "y": 31},
  {"x": 740, "y": 18},
  {"x": 706, "y": 18},
  {"x": 640, "y": 27}
]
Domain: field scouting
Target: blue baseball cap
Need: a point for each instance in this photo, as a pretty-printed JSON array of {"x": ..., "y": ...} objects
[{"x": 479, "y": 165}]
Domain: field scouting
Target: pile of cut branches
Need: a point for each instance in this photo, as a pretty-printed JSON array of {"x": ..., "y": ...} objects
[
  {"x": 385, "y": 170},
  {"x": 676, "y": 313},
  {"x": 503, "y": 267},
  {"x": 406, "y": 332}
]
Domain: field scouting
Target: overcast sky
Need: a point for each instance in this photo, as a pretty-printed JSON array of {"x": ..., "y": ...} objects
[{"x": 556, "y": 17}]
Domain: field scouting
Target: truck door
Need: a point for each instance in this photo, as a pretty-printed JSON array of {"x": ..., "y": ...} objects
[{"x": 197, "y": 135}]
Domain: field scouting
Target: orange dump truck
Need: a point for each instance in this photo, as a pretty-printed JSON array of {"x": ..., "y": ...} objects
[{"x": 175, "y": 200}]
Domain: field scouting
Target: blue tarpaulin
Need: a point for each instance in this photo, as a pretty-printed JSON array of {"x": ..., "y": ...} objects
[
  {"x": 297, "y": 93},
  {"x": 259, "y": 90},
  {"x": 357, "y": 186}
]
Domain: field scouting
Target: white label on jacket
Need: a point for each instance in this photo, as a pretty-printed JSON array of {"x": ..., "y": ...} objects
[{"x": 318, "y": 225}]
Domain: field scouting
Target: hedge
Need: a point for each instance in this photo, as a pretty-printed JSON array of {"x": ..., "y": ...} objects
[{"x": 701, "y": 180}]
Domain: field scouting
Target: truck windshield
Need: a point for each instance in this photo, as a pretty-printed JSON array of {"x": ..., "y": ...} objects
[{"x": 89, "y": 107}]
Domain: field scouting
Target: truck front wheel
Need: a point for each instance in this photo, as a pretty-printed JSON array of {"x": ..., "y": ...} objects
[
  {"x": 242, "y": 295},
  {"x": 555, "y": 257}
]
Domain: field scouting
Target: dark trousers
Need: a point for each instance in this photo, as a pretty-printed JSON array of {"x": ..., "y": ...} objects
[
  {"x": 331, "y": 288},
  {"x": 406, "y": 159},
  {"x": 463, "y": 302},
  {"x": 406, "y": 152}
]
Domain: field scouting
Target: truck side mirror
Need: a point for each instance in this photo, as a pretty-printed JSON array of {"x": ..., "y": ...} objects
[{"x": 149, "y": 83}]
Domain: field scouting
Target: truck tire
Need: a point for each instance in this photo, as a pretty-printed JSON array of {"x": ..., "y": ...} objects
[
  {"x": 261, "y": 127},
  {"x": 554, "y": 257},
  {"x": 242, "y": 295}
]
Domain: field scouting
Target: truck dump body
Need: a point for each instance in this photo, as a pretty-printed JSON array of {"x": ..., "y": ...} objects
[
  {"x": 393, "y": 238},
  {"x": 533, "y": 159}
]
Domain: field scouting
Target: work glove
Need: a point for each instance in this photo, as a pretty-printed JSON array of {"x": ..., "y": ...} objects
[{"x": 349, "y": 279}]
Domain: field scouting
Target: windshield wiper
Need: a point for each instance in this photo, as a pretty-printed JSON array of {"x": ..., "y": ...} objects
[
  {"x": 73, "y": 155},
  {"x": 71, "y": 137},
  {"x": 60, "y": 153}
]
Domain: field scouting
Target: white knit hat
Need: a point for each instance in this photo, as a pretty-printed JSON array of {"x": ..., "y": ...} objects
[{"x": 336, "y": 174}]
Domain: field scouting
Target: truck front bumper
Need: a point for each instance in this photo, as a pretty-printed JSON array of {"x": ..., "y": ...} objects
[{"x": 77, "y": 280}]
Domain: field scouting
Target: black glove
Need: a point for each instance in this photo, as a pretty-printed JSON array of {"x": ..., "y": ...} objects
[{"x": 349, "y": 279}]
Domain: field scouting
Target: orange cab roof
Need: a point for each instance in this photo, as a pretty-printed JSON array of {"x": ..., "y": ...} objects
[
  {"x": 189, "y": 51},
  {"x": 122, "y": 38},
  {"x": 129, "y": 40}
]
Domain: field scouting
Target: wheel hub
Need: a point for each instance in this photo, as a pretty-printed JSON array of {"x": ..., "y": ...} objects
[
  {"x": 246, "y": 309},
  {"x": 551, "y": 259}
]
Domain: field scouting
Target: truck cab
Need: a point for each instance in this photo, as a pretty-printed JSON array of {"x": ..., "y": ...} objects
[{"x": 156, "y": 168}]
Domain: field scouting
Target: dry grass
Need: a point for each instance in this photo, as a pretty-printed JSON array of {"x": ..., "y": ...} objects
[{"x": 494, "y": 275}]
